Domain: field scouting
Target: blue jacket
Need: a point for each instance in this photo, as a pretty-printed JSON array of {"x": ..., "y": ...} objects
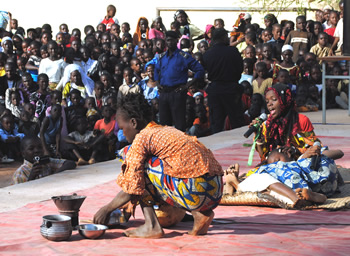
[{"x": 173, "y": 70}]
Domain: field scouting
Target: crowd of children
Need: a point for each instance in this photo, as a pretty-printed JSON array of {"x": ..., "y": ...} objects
[{"x": 65, "y": 88}]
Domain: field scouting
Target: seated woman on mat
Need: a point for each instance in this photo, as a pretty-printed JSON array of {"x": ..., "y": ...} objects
[
  {"x": 292, "y": 182},
  {"x": 190, "y": 178},
  {"x": 284, "y": 125}
]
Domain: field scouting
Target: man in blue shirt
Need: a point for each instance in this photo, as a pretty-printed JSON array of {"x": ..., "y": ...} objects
[{"x": 171, "y": 72}]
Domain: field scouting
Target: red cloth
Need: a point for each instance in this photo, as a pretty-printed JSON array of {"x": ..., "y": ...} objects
[{"x": 107, "y": 128}]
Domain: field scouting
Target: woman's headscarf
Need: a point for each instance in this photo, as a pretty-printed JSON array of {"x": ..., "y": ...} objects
[
  {"x": 87, "y": 81},
  {"x": 207, "y": 30},
  {"x": 272, "y": 18},
  {"x": 281, "y": 129}
]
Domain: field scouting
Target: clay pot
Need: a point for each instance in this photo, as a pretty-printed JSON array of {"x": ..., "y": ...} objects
[
  {"x": 169, "y": 216},
  {"x": 56, "y": 227}
]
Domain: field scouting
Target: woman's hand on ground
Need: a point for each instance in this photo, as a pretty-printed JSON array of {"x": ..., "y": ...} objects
[{"x": 102, "y": 216}]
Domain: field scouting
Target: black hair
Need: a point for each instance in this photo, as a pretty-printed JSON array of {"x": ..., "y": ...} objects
[
  {"x": 249, "y": 61},
  {"x": 276, "y": 25},
  {"x": 28, "y": 139},
  {"x": 27, "y": 75},
  {"x": 323, "y": 34},
  {"x": 261, "y": 64},
  {"x": 74, "y": 91},
  {"x": 56, "y": 92},
  {"x": 268, "y": 45},
  {"x": 282, "y": 71},
  {"x": 301, "y": 17},
  {"x": 87, "y": 28},
  {"x": 52, "y": 43},
  {"x": 251, "y": 36},
  {"x": 9, "y": 116},
  {"x": 220, "y": 20},
  {"x": 128, "y": 69},
  {"x": 43, "y": 47},
  {"x": 134, "y": 105},
  {"x": 43, "y": 76}
]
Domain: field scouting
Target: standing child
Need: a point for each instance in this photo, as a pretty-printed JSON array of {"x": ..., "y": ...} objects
[
  {"x": 129, "y": 86},
  {"x": 135, "y": 65},
  {"x": 247, "y": 75},
  {"x": 149, "y": 85},
  {"x": 41, "y": 99},
  {"x": 50, "y": 132},
  {"x": 333, "y": 19},
  {"x": 141, "y": 31},
  {"x": 109, "y": 18},
  {"x": 299, "y": 38},
  {"x": 98, "y": 94},
  {"x": 262, "y": 81},
  {"x": 52, "y": 66},
  {"x": 157, "y": 29}
]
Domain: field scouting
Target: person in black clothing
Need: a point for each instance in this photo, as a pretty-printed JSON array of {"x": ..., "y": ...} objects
[{"x": 224, "y": 65}]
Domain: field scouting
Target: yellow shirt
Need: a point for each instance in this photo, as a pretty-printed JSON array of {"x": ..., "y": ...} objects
[{"x": 264, "y": 85}]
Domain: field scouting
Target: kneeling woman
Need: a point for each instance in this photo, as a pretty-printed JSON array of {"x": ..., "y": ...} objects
[{"x": 191, "y": 178}]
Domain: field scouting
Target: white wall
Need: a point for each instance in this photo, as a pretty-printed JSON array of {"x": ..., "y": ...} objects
[{"x": 78, "y": 13}]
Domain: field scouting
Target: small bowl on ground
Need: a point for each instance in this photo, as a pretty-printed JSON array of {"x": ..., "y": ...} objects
[{"x": 92, "y": 231}]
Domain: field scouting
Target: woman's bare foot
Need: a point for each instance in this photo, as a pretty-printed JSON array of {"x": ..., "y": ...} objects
[
  {"x": 202, "y": 221},
  {"x": 311, "y": 196},
  {"x": 231, "y": 179},
  {"x": 92, "y": 161},
  {"x": 151, "y": 228},
  {"x": 145, "y": 231},
  {"x": 81, "y": 161}
]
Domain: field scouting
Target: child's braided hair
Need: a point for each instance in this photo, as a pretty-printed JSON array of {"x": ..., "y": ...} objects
[{"x": 134, "y": 105}]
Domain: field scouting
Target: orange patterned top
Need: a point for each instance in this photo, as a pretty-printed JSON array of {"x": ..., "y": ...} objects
[{"x": 183, "y": 156}]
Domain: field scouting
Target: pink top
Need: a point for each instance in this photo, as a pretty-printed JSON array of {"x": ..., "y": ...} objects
[{"x": 154, "y": 33}]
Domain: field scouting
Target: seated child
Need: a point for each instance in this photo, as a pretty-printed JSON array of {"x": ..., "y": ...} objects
[
  {"x": 255, "y": 109},
  {"x": 322, "y": 48},
  {"x": 35, "y": 164},
  {"x": 98, "y": 94},
  {"x": 246, "y": 95},
  {"x": 106, "y": 126},
  {"x": 50, "y": 132},
  {"x": 26, "y": 126},
  {"x": 262, "y": 82},
  {"x": 247, "y": 75},
  {"x": 129, "y": 86},
  {"x": 301, "y": 99},
  {"x": 284, "y": 78},
  {"x": 155, "y": 110},
  {"x": 13, "y": 101},
  {"x": 10, "y": 137},
  {"x": 201, "y": 125},
  {"x": 82, "y": 143},
  {"x": 90, "y": 106},
  {"x": 75, "y": 82},
  {"x": 75, "y": 110}
]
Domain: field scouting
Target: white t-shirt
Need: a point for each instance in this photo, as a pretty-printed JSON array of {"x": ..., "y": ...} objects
[
  {"x": 53, "y": 69},
  {"x": 339, "y": 32}
]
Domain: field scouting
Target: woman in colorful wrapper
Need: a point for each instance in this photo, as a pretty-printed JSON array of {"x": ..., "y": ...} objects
[
  {"x": 189, "y": 177},
  {"x": 284, "y": 125}
]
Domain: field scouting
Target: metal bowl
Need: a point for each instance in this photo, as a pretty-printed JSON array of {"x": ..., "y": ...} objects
[{"x": 92, "y": 231}]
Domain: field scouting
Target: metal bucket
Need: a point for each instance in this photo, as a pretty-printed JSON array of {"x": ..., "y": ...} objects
[{"x": 56, "y": 227}]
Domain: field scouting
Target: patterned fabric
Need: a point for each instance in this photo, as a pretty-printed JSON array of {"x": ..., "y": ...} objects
[
  {"x": 298, "y": 174},
  {"x": 22, "y": 173},
  {"x": 201, "y": 193},
  {"x": 293, "y": 72},
  {"x": 304, "y": 137},
  {"x": 182, "y": 157}
]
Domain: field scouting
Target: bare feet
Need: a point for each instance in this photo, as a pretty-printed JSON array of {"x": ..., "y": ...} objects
[
  {"x": 81, "y": 161},
  {"x": 202, "y": 221},
  {"x": 231, "y": 179},
  {"x": 145, "y": 231},
  {"x": 92, "y": 161},
  {"x": 311, "y": 196}
]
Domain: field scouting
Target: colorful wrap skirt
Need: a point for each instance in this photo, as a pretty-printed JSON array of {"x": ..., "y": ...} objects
[{"x": 192, "y": 194}]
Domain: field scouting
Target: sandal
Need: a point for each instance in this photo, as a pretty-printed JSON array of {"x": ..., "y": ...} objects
[{"x": 6, "y": 160}]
